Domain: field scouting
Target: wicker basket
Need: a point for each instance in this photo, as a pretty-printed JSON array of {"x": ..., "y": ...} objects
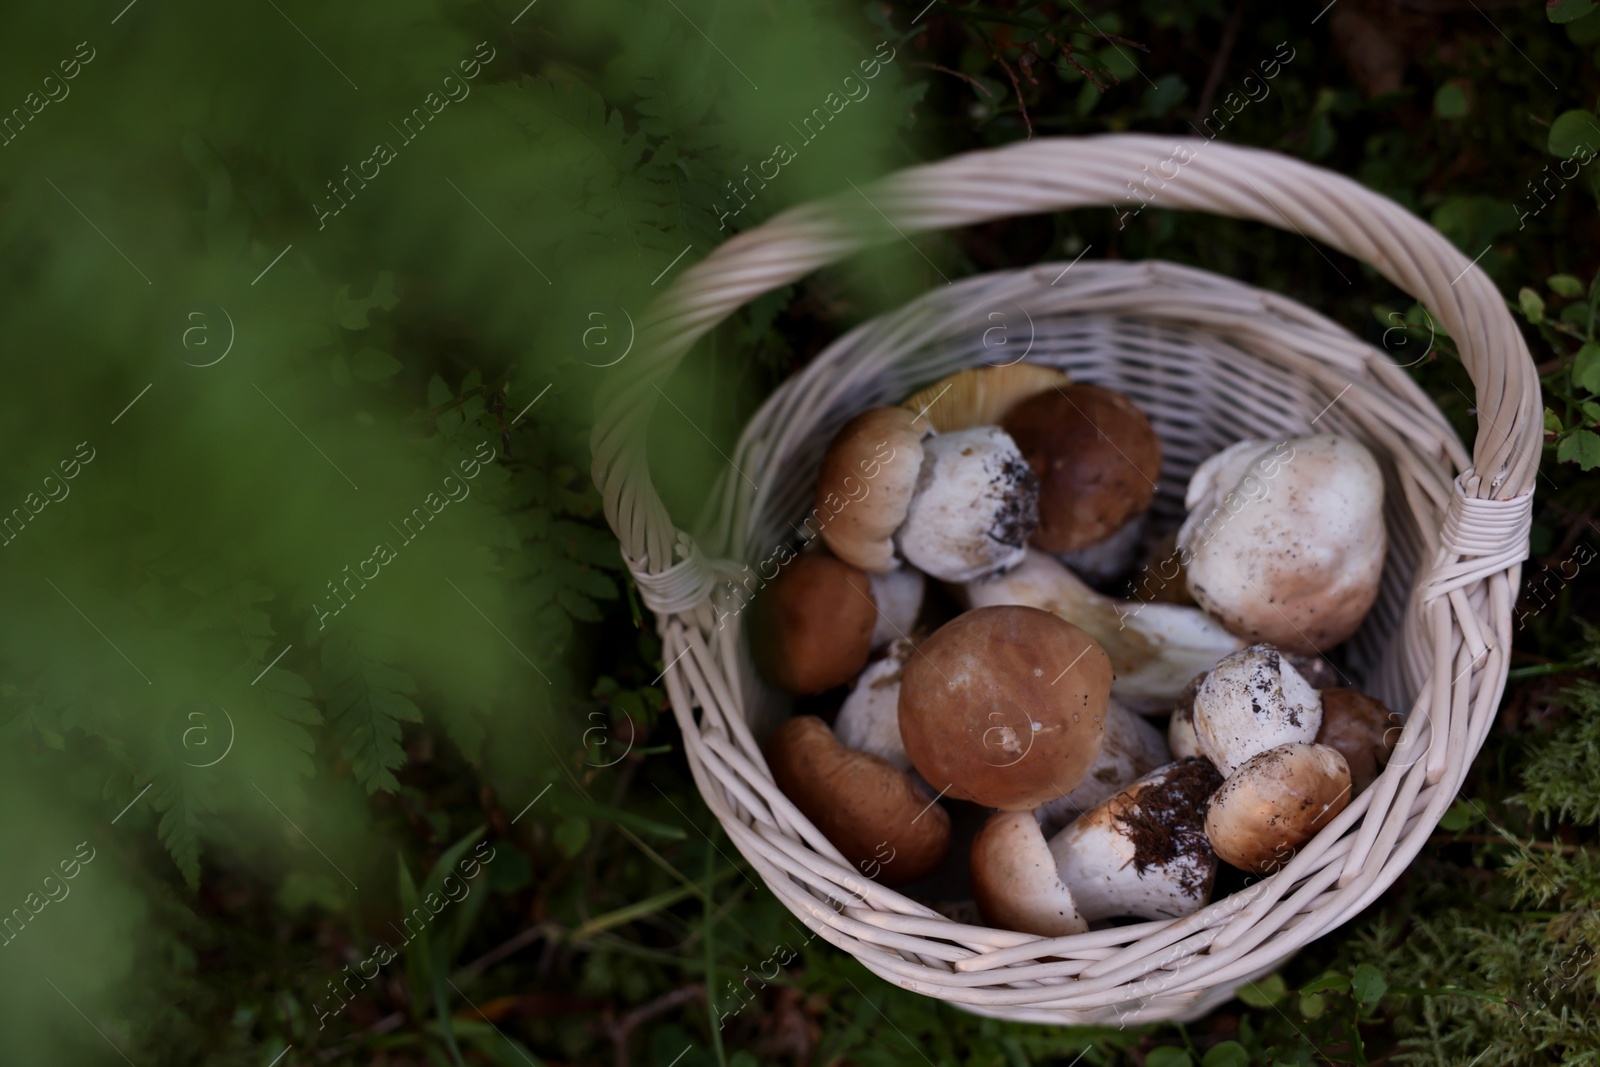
[{"x": 1211, "y": 361}]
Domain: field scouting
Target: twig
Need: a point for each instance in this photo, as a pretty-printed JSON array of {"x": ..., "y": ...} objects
[
  {"x": 1224, "y": 49},
  {"x": 515, "y": 945},
  {"x": 1495, "y": 839},
  {"x": 623, "y": 1028},
  {"x": 975, "y": 83},
  {"x": 1071, "y": 56}
]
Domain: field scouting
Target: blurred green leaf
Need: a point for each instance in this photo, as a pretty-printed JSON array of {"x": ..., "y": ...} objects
[{"x": 1574, "y": 130}]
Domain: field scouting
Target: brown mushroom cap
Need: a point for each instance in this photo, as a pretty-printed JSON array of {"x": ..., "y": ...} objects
[
  {"x": 1005, "y": 706},
  {"x": 865, "y": 485},
  {"x": 1014, "y": 879},
  {"x": 811, "y": 628},
  {"x": 1362, "y": 729},
  {"x": 1275, "y": 802},
  {"x": 980, "y": 396},
  {"x": 875, "y": 815},
  {"x": 1097, "y": 458}
]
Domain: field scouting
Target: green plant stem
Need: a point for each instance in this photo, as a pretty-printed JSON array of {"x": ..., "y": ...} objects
[{"x": 711, "y": 964}]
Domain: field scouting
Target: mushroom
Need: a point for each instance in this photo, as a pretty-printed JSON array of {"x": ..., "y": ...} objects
[
  {"x": 1276, "y": 802},
  {"x": 1252, "y": 701},
  {"x": 812, "y": 627},
  {"x": 976, "y": 502},
  {"x": 1005, "y": 706},
  {"x": 1154, "y": 648},
  {"x": 1105, "y": 560},
  {"x": 1143, "y": 853},
  {"x": 874, "y": 814},
  {"x": 1097, "y": 458},
  {"x": 1362, "y": 729},
  {"x": 1014, "y": 879},
  {"x": 1318, "y": 672},
  {"x": 897, "y": 595},
  {"x": 1162, "y": 578},
  {"x": 981, "y": 396},
  {"x": 865, "y": 486},
  {"x": 1132, "y": 749},
  {"x": 1285, "y": 539},
  {"x": 1181, "y": 737},
  {"x": 869, "y": 719}
]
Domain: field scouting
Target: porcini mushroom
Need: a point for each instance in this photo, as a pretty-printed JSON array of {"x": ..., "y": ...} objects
[
  {"x": 975, "y": 504},
  {"x": 1014, "y": 879},
  {"x": 1097, "y": 458},
  {"x": 874, "y": 814},
  {"x": 1252, "y": 701},
  {"x": 1362, "y": 729},
  {"x": 1276, "y": 802},
  {"x": 1181, "y": 739},
  {"x": 869, "y": 719},
  {"x": 865, "y": 484},
  {"x": 1104, "y": 560},
  {"x": 1005, "y": 706},
  {"x": 981, "y": 396},
  {"x": 812, "y": 626},
  {"x": 1154, "y": 648},
  {"x": 1285, "y": 539},
  {"x": 1132, "y": 748},
  {"x": 1143, "y": 853},
  {"x": 898, "y": 597}
]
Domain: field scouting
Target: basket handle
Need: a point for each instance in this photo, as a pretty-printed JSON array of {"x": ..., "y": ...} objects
[{"x": 1047, "y": 175}]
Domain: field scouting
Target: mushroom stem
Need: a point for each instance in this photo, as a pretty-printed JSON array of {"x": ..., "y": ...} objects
[
  {"x": 1143, "y": 853},
  {"x": 1015, "y": 882},
  {"x": 1132, "y": 749},
  {"x": 1155, "y": 649}
]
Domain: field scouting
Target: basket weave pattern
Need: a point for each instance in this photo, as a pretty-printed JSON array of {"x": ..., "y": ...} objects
[{"x": 1211, "y": 361}]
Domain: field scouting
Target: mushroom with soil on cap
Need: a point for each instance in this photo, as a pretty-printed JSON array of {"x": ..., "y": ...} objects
[
  {"x": 1362, "y": 729},
  {"x": 1097, "y": 458},
  {"x": 877, "y": 816},
  {"x": 1154, "y": 648},
  {"x": 1143, "y": 853},
  {"x": 1132, "y": 749},
  {"x": 957, "y": 505},
  {"x": 1014, "y": 879},
  {"x": 1252, "y": 701},
  {"x": 1274, "y": 803},
  {"x": 1005, "y": 706},
  {"x": 1285, "y": 539},
  {"x": 976, "y": 503},
  {"x": 815, "y": 624}
]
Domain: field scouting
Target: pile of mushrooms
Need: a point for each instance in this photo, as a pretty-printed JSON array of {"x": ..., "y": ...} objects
[{"x": 973, "y": 541}]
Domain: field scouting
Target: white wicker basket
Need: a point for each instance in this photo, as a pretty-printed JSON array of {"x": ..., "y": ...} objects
[{"x": 1211, "y": 361}]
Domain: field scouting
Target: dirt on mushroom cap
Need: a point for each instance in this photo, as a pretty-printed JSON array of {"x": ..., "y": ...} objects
[{"x": 1166, "y": 820}]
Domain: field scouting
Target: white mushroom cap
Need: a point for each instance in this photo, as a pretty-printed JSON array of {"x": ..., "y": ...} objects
[
  {"x": 1132, "y": 749},
  {"x": 898, "y": 596},
  {"x": 1014, "y": 879},
  {"x": 1252, "y": 701},
  {"x": 1181, "y": 738},
  {"x": 1285, "y": 539},
  {"x": 869, "y": 719},
  {"x": 1155, "y": 649},
  {"x": 975, "y": 505},
  {"x": 1143, "y": 853},
  {"x": 1275, "y": 803}
]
